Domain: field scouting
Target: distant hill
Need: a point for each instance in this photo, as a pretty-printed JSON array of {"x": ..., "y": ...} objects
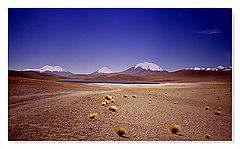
[
  {"x": 191, "y": 76},
  {"x": 178, "y": 76},
  {"x": 34, "y": 75},
  {"x": 120, "y": 77},
  {"x": 102, "y": 71}
]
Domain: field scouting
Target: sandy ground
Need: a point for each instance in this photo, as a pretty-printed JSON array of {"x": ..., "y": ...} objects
[{"x": 41, "y": 111}]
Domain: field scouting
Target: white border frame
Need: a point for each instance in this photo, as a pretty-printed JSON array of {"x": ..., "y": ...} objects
[{"x": 4, "y": 5}]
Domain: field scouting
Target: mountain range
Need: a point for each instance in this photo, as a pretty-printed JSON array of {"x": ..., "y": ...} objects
[
  {"x": 144, "y": 68},
  {"x": 218, "y": 68},
  {"x": 140, "y": 69}
]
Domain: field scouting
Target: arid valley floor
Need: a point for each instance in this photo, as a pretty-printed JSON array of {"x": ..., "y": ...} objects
[{"x": 43, "y": 110}]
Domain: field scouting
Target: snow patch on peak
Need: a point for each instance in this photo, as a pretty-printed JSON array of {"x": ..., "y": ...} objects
[
  {"x": 218, "y": 68},
  {"x": 104, "y": 70},
  {"x": 149, "y": 66},
  {"x": 28, "y": 69},
  {"x": 197, "y": 68},
  {"x": 48, "y": 68},
  {"x": 54, "y": 68}
]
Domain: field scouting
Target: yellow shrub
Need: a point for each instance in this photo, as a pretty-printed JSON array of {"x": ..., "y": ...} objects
[
  {"x": 134, "y": 96},
  {"x": 174, "y": 129},
  {"x": 175, "y": 102},
  {"x": 112, "y": 108},
  {"x": 207, "y": 136},
  {"x": 112, "y": 100},
  {"x": 120, "y": 131},
  {"x": 125, "y": 96},
  {"x": 107, "y": 102},
  {"x": 216, "y": 112},
  {"x": 107, "y": 97},
  {"x": 206, "y": 107},
  {"x": 92, "y": 116},
  {"x": 104, "y": 103}
]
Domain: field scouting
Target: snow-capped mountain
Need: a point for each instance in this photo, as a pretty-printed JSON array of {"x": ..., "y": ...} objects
[
  {"x": 139, "y": 69},
  {"x": 104, "y": 70},
  {"x": 48, "y": 68},
  {"x": 148, "y": 66},
  {"x": 101, "y": 71},
  {"x": 144, "y": 68},
  {"x": 218, "y": 68},
  {"x": 51, "y": 69}
]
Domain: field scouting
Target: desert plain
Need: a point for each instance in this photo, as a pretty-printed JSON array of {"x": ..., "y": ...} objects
[{"x": 41, "y": 110}]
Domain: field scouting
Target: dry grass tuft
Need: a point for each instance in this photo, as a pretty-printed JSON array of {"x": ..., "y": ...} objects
[
  {"x": 92, "y": 116},
  {"x": 107, "y": 102},
  {"x": 125, "y": 96},
  {"x": 217, "y": 112},
  {"x": 150, "y": 99},
  {"x": 112, "y": 100},
  {"x": 204, "y": 100},
  {"x": 104, "y": 103},
  {"x": 174, "y": 129},
  {"x": 113, "y": 97},
  {"x": 206, "y": 107},
  {"x": 110, "y": 97},
  {"x": 134, "y": 96},
  {"x": 112, "y": 108},
  {"x": 107, "y": 97},
  {"x": 207, "y": 136},
  {"x": 219, "y": 108},
  {"x": 149, "y": 102},
  {"x": 120, "y": 131},
  {"x": 175, "y": 102}
]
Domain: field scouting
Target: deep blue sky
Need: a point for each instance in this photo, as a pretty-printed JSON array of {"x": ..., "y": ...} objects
[{"x": 84, "y": 40}]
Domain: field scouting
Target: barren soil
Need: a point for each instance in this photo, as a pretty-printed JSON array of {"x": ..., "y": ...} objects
[{"x": 43, "y": 111}]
